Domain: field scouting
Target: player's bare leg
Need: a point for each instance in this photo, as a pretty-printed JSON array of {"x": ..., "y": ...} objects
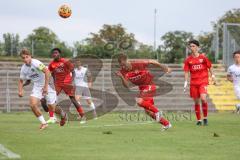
[
  {"x": 34, "y": 106},
  {"x": 92, "y": 106},
  {"x": 204, "y": 108},
  {"x": 198, "y": 111},
  {"x": 78, "y": 108},
  {"x": 153, "y": 112},
  {"x": 63, "y": 115}
]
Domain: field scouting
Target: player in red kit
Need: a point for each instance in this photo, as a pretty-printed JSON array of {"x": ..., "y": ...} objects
[
  {"x": 198, "y": 65},
  {"x": 137, "y": 73},
  {"x": 63, "y": 74}
]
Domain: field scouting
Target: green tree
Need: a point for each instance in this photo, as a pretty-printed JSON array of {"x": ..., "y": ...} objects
[
  {"x": 42, "y": 40},
  {"x": 1, "y": 48},
  {"x": 205, "y": 40},
  {"x": 11, "y": 44},
  {"x": 174, "y": 45},
  {"x": 109, "y": 40}
]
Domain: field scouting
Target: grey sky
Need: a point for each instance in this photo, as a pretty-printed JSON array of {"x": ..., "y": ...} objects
[{"x": 22, "y": 16}]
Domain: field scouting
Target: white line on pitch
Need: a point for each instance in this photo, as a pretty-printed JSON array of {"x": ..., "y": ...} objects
[
  {"x": 116, "y": 125},
  {"x": 7, "y": 153}
]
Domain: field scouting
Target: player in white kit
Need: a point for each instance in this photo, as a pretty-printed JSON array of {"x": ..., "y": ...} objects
[
  {"x": 83, "y": 81},
  {"x": 233, "y": 75},
  {"x": 38, "y": 73}
]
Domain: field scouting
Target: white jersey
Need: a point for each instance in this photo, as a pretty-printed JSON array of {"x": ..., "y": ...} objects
[
  {"x": 33, "y": 72},
  {"x": 81, "y": 77},
  {"x": 234, "y": 71}
]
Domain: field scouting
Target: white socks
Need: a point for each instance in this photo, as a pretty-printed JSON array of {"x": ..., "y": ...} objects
[
  {"x": 92, "y": 106},
  {"x": 41, "y": 119}
]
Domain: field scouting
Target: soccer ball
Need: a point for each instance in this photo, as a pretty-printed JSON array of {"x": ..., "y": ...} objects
[{"x": 64, "y": 11}]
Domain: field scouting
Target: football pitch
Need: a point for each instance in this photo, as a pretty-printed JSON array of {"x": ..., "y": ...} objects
[{"x": 114, "y": 137}]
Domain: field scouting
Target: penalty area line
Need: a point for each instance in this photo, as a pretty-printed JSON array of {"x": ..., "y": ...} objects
[{"x": 8, "y": 153}]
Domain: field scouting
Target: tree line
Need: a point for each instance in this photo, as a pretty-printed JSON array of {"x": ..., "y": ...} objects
[{"x": 112, "y": 39}]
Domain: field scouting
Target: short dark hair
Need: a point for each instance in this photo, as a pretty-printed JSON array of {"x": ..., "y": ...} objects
[
  {"x": 122, "y": 56},
  {"x": 56, "y": 49},
  {"x": 236, "y": 52},
  {"x": 25, "y": 51},
  {"x": 194, "y": 42}
]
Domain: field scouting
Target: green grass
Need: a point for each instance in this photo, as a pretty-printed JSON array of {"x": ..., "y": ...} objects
[{"x": 19, "y": 133}]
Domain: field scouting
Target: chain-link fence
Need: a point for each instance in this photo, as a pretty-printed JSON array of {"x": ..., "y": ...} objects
[{"x": 231, "y": 41}]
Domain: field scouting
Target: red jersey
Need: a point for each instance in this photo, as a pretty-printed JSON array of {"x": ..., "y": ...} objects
[
  {"x": 61, "y": 71},
  {"x": 198, "y": 68},
  {"x": 139, "y": 74}
]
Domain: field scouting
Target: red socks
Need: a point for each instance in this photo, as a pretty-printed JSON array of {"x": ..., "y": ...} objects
[
  {"x": 80, "y": 111},
  {"x": 148, "y": 105},
  {"x": 51, "y": 113},
  {"x": 197, "y": 111},
  {"x": 205, "y": 109},
  {"x": 164, "y": 122}
]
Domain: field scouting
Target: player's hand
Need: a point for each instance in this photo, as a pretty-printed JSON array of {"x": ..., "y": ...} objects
[
  {"x": 45, "y": 91},
  {"x": 20, "y": 94},
  {"x": 169, "y": 70},
  {"x": 119, "y": 74},
  {"x": 185, "y": 86},
  {"x": 214, "y": 80}
]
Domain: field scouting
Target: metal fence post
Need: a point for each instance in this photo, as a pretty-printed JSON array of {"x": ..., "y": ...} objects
[{"x": 8, "y": 94}]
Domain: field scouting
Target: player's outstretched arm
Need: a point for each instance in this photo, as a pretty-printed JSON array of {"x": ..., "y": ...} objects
[
  {"x": 186, "y": 74},
  {"x": 163, "y": 67},
  {"x": 89, "y": 78},
  {"x": 212, "y": 75},
  {"x": 27, "y": 82},
  {"x": 20, "y": 88},
  {"x": 124, "y": 81},
  {"x": 47, "y": 77}
]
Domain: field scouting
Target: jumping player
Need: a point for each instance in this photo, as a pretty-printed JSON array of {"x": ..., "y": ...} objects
[
  {"x": 63, "y": 74},
  {"x": 137, "y": 73},
  {"x": 199, "y": 66},
  {"x": 83, "y": 81},
  {"x": 35, "y": 71},
  {"x": 233, "y": 75}
]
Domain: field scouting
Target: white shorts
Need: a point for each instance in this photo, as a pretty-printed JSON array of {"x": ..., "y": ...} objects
[
  {"x": 83, "y": 92},
  {"x": 51, "y": 97},
  {"x": 237, "y": 91}
]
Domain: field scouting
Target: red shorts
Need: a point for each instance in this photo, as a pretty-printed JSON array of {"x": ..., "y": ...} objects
[
  {"x": 197, "y": 90},
  {"x": 147, "y": 92},
  {"x": 68, "y": 89}
]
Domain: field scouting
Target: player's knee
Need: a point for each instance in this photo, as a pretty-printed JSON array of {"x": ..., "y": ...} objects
[
  {"x": 139, "y": 101},
  {"x": 204, "y": 100}
]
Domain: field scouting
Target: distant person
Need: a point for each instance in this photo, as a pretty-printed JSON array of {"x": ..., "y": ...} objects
[
  {"x": 83, "y": 81},
  {"x": 233, "y": 75},
  {"x": 199, "y": 66}
]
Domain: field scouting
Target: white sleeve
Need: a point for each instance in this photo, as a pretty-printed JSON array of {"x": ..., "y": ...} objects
[
  {"x": 23, "y": 75},
  {"x": 38, "y": 64},
  {"x": 229, "y": 71}
]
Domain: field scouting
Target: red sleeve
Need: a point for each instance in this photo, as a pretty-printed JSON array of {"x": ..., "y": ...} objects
[
  {"x": 50, "y": 67},
  {"x": 208, "y": 62},
  {"x": 145, "y": 63},
  {"x": 123, "y": 73},
  {"x": 69, "y": 65},
  {"x": 186, "y": 66}
]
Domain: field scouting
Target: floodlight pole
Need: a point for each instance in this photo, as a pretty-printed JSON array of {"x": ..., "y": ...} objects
[{"x": 154, "y": 32}]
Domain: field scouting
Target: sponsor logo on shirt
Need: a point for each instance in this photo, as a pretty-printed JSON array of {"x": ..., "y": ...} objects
[{"x": 197, "y": 66}]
